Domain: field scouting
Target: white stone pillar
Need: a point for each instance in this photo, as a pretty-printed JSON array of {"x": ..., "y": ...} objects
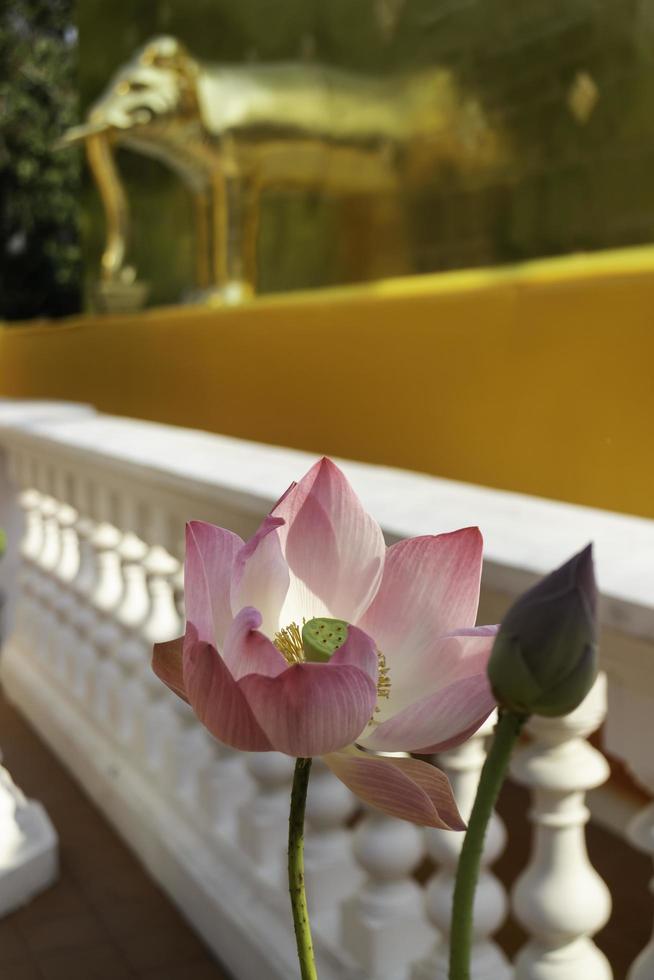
[
  {"x": 49, "y": 559},
  {"x": 330, "y": 873},
  {"x": 131, "y": 653},
  {"x": 384, "y": 926},
  {"x": 224, "y": 785},
  {"x": 31, "y": 546},
  {"x": 28, "y": 847},
  {"x": 106, "y": 598},
  {"x": 28, "y": 842},
  {"x": 463, "y": 766},
  {"x": 628, "y": 723},
  {"x": 138, "y": 620},
  {"x": 560, "y": 899},
  {"x": 162, "y": 715},
  {"x": 212, "y": 780},
  {"x": 84, "y": 618},
  {"x": 641, "y": 833},
  {"x": 67, "y": 571},
  {"x": 263, "y": 820}
]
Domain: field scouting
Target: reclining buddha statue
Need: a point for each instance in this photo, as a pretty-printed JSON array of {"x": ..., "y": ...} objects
[{"x": 233, "y": 132}]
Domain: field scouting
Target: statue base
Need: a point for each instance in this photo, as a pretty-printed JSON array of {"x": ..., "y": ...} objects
[
  {"x": 120, "y": 297},
  {"x": 28, "y": 850},
  {"x": 230, "y": 294}
]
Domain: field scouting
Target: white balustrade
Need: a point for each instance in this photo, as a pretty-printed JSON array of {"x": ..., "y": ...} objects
[
  {"x": 104, "y": 503},
  {"x": 131, "y": 653},
  {"x": 162, "y": 716},
  {"x": 49, "y": 559},
  {"x": 224, "y": 785},
  {"x": 28, "y": 847},
  {"x": 641, "y": 832},
  {"x": 263, "y": 819},
  {"x": 560, "y": 899},
  {"x": 107, "y": 598},
  {"x": 38, "y": 580},
  {"x": 627, "y": 735},
  {"x": 31, "y": 546},
  {"x": 384, "y": 926},
  {"x": 463, "y": 766},
  {"x": 215, "y": 780},
  {"x": 66, "y": 572},
  {"x": 82, "y": 615},
  {"x": 29, "y": 860},
  {"x": 331, "y": 874}
]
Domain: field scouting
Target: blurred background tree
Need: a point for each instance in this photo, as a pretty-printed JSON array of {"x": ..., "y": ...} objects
[{"x": 39, "y": 186}]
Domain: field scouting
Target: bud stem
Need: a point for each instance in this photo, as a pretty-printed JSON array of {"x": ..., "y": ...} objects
[
  {"x": 492, "y": 776},
  {"x": 296, "y": 870}
]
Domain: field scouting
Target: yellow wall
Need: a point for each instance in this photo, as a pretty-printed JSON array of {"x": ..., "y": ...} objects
[{"x": 538, "y": 378}]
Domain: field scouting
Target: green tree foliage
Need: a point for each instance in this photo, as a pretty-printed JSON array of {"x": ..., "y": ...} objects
[{"x": 39, "y": 185}]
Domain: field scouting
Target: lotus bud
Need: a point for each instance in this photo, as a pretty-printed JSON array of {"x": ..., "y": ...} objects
[{"x": 544, "y": 659}]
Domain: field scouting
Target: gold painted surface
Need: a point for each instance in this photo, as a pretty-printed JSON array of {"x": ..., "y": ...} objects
[
  {"x": 535, "y": 378},
  {"x": 235, "y": 132},
  {"x": 577, "y": 176}
]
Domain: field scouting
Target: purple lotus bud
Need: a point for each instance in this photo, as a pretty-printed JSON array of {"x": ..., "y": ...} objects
[{"x": 544, "y": 659}]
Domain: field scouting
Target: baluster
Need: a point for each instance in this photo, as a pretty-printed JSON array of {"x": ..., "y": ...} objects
[
  {"x": 162, "y": 624},
  {"x": 29, "y": 842},
  {"x": 185, "y": 751},
  {"x": 83, "y": 616},
  {"x": 48, "y": 565},
  {"x": 212, "y": 780},
  {"x": 194, "y": 754},
  {"x": 160, "y": 724},
  {"x": 560, "y": 899},
  {"x": 65, "y": 599},
  {"x": 186, "y": 748},
  {"x": 218, "y": 780},
  {"x": 106, "y": 598},
  {"x": 641, "y": 833},
  {"x": 383, "y": 926},
  {"x": 463, "y": 766},
  {"x": 55, "y": 561},
  {"x": 330, "y": 872},
  {"x": 30, "y": 847},
  {"x": 263, "y": 821},
  {"x": 136, "y": 617},
  {"x": 149, "y": 712},
  {"x": 31, "y": 546},
  {"x": 131, "y": 654},
  {"x": 224, "y": 783}
]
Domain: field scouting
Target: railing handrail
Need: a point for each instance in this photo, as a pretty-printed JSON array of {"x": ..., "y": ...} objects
[{"x": 525, "y": 536}]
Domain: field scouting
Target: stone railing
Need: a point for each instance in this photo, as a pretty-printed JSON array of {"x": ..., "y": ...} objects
[{"x": 103, "y": 503}]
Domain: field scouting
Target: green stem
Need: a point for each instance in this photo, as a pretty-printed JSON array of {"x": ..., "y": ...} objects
[
  {"x": 492, "y": 776},
  {"x": 296, "y": 870}
]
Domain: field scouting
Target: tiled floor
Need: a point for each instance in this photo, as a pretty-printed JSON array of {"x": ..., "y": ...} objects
[{"x": 105, "y": 919}]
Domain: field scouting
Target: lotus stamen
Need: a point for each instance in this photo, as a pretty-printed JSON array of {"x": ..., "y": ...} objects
[
  {"x": 289, "y": 643},
  {"x": 383, "y": 678}
]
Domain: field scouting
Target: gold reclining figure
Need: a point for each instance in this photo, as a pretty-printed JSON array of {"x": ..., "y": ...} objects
[{"x": 232, "y": 132}]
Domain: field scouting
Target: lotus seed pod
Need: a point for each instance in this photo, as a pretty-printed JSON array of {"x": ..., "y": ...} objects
[{"x": 322, "y": 637}]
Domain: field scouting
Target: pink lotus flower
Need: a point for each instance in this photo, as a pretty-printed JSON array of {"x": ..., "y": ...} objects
[{"x": 410, "y": 676}]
